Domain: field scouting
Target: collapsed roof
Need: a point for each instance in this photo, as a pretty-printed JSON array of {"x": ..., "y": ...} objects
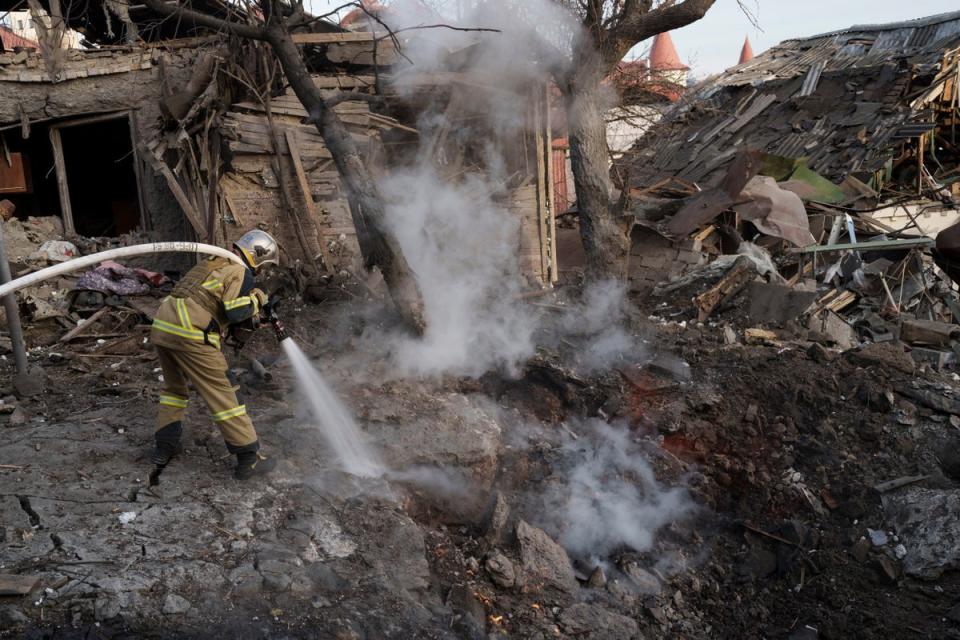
[{"x": 844, "y": 101}]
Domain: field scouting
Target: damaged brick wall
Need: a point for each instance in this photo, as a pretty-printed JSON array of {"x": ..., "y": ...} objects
[
  {"x": 655, "y": 259},
  {"x": 99, "y": 82}
]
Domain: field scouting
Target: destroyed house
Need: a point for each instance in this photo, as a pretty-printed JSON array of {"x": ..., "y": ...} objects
[
  {"x": 182, "y": 134},
  {"x": 861, "y": 117}
]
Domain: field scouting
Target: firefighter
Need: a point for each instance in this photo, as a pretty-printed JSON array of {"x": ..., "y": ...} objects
[{"x": 187, "y": 332}]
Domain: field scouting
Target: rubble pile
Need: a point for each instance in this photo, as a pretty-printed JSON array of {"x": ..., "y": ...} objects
[
  {"x": 828, "y": 165},
  {"x": 799, "y": 490}
]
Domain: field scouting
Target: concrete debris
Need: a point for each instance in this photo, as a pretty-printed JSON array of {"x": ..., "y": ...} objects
[
  {"x": 645, "y": 582},
  {"x": 174, "y": 605},
  {"x": 927, "y": 522},
  {"x": 878, "y": 538},
  {"x": 598, "y": 623},
  {"x": 501, "y": 570},
  {"x": 545, "y": 562}
]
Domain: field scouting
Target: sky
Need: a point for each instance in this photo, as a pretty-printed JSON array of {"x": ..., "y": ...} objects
[{"x": 713, "y": 43}]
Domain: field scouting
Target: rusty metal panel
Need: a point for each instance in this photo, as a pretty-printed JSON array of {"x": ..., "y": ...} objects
[{"x": 15, "y": 175}]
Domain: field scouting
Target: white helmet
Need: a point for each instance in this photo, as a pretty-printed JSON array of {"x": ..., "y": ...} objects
[{"x": 258, "y": 248}]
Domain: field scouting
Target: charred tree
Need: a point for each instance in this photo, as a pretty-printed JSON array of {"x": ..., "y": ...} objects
[
  {"x": 377, "y": 244},
  {"x": 610, "y": 29}
]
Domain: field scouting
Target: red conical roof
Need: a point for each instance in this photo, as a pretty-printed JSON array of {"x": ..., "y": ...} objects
[
  {"x": 746, "y": 54},
  {"x": 371, "y": 6},
  {"x": 663, "y": 55}
]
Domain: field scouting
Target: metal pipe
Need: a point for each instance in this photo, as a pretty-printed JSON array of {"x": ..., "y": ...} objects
[{"x": 12, "y": 311}]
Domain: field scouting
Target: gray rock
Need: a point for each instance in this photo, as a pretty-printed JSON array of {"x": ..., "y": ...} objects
[
  {"x": 598, "y": 579},
  {"x": 501, "y": 570},
  {"x": 645, "y": 582},
  {"x": 544, "y": 561},
  {"x": 597, "y": 623},
  {"x": 878, "y": 537},
  {"x": 473, "y": 615},
  {"x": 106, "y": 607},
  {"x": 301, "y": 584},
  {"x": 18, "y": 417},
  {"x": 759, "y": 563},
  {"x": 427, "y": 428},
  {"x": 498, "y": 523},
  {"x": 861, "y": 550},
  {"x": 276, "y": 581},
  {"x": 174, "y": 604},
  {"x": 11, "y": 616},
  {"x": 395, "y": 548},
  {"x": 31, "y": 383},
  {"x": 928, "y": 524}
]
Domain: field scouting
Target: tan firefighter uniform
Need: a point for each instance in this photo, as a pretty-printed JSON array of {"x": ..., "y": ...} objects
[{"x": 187, "y": 333}]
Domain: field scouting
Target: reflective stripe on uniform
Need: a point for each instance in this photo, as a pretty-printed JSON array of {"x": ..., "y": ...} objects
[
  {"x": 212, "y": 283},
  {"x": 242, "y": 301},
  {"x": 183, "y": 314},
  {"x": 230, "y": 413},
  {"x": 191, "y": 334},
  {"x": 169, "y": 400}
]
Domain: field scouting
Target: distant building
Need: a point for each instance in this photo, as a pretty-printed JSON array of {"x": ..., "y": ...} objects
[
  {"x": 11, "y": 41},
  {"x": 21, "y": 23},
  {"x": 665, "y": 61},
  {"x": 746, "y": 54},
  {"x": 646, "y": 88}
]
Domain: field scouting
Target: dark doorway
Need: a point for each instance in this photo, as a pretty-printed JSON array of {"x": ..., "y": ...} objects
[
  {"x": 101, "y": 178},
  {"x": 33, "y": 156}
]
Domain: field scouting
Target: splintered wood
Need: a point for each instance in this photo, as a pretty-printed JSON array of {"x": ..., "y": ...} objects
[{"x": 742, "y": 272}]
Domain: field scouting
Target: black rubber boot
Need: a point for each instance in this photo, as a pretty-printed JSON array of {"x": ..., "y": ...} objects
[
  {"x": 164, "y": 452},
  {"x": 167, "y": 445},
  {"x": 250, "y": 464}
]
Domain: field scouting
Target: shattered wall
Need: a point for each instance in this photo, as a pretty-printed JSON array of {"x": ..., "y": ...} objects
[{"x": 98, "y": 82}]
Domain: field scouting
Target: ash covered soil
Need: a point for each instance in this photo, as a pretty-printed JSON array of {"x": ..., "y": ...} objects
[{"x": 699, "y": 490}]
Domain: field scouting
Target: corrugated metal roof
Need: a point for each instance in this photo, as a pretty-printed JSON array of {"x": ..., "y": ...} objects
[{"x": 836, "y": 99}]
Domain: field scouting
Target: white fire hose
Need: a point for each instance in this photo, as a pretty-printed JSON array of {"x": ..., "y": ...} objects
[{"x": 111, "y": 254}]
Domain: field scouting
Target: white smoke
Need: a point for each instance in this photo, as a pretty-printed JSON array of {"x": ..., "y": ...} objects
[
  {"x": 609, "y": 498},
  {"x": 463, "y": 247},
  {"x": 599, "y": 320},
  {"x": 456, "y": 227}
]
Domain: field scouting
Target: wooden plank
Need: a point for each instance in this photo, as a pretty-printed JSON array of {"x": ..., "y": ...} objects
[
  {"x": 343, "y": 82},
  {"x": 742, "y": 272},
  {"x": 553, "y": 276},
  {"x": 327, "y": 38},
  {"x": 188, "y": 209},
  {"x": 362, "y": 53},
  {"x": 66, "y": 212},
  {"x": 307, "y": 197},
  {"x": 16, "y": 585},
  {"x": 89, "y": 322},
  {"x": 542, "y": 210},
  {"x": 252, "y": 106},
  {"x": 257, "y": 149}
]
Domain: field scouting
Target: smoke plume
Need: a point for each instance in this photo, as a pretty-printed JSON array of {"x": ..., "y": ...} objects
[
  {"x": 456, "y": 227},
  {"x": 609, "y": 498}
]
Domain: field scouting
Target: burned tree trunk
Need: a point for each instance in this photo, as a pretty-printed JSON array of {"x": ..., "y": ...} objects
[
  {"x": 378, "y": 246},
  {"x": 603, "y": 231}
]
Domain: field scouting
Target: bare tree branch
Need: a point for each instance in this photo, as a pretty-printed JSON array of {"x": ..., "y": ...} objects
[
  {"x": 205, "y": 20},
  {"x": 347, "y": 96},
  {"x": 640, "y": 25}
]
